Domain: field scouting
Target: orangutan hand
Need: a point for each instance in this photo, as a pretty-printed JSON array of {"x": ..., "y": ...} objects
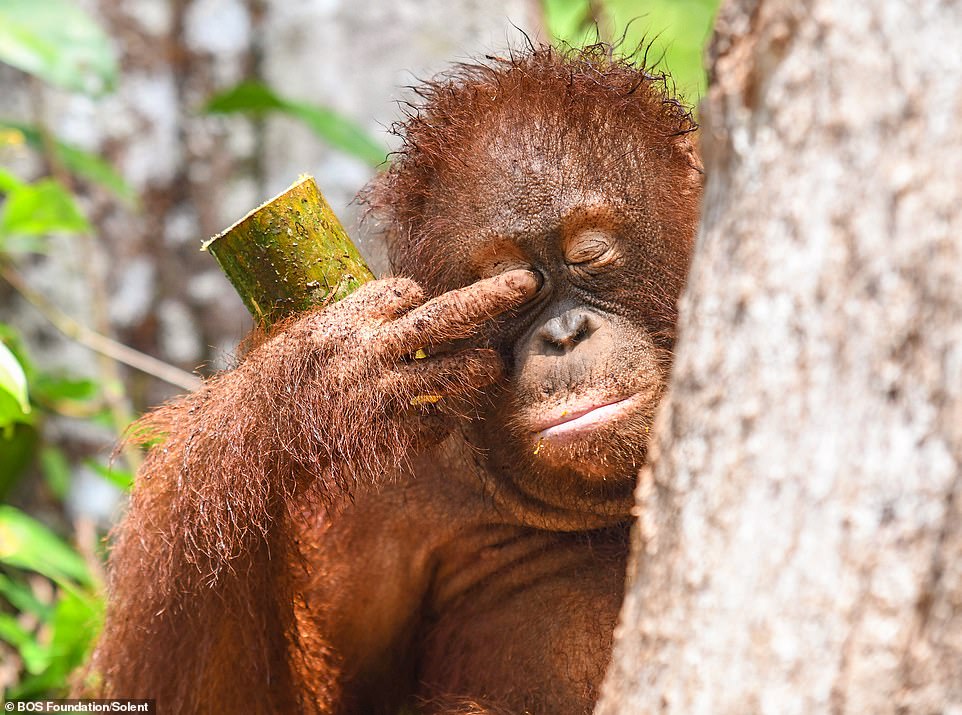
[
  {"x": 358, "y": 370},
  {"x": 386, "y": 323}
]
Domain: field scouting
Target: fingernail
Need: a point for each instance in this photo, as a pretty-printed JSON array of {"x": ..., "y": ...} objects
[{"x": 524, "y": 280}]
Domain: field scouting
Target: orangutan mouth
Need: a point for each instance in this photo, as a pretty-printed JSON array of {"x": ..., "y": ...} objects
[{"x": 576, "y": 420}]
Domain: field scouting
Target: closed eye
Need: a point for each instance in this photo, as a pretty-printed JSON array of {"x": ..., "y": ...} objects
[{"x": 594, "y": 247}]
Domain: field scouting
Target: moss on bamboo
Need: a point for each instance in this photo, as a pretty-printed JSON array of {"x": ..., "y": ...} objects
[{"x": 290, "y": 254}]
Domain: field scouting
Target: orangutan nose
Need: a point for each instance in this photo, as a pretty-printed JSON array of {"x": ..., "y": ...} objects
[{"x": 563, "y": 333}]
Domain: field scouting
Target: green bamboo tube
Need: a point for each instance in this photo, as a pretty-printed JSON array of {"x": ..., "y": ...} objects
[{"x": 289, "y": 255}]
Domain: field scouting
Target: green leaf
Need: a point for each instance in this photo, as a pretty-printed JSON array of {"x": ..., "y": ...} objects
[
  {"x": 41, "y": 208},
  {"x": 58, "y": 645},
  {"x": 568, "y": 20},
  {"x": 56, "y": 470},
  {"x": 76, "y": 621},
  {"x": 677, "y": 30},
  {"x": 92, "y": 167},
  {"x": 58, "y": 42},
  {"x": 18, "y": 448},
  {"x": 19, "y": 595},
  {"x": 9, "y": 182},
  {"x": 79, "y": 162},
  {"x": 334, "y": 128},
  {"x": 122, "y": 478},
  {"x": 13, "y": 381},
  {"x": 28, "y": 544},
  {"x": 10, "y": 416},
  {"x": 11, "y": 338},
  {"x": 52, "y": 390},
  {"x": 340, "y": 132},
  {"x": 245, "y": 97},
  {"x": 35, "y": 657}
]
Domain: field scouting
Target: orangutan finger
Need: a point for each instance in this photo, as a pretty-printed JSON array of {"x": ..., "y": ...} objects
[
  {"x": 428, "y": 381},
  {"x": 386, "y": 298},
  {"x": 459, "y": 313}
]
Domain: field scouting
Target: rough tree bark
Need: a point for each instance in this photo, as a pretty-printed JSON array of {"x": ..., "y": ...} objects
[{"x": 799, "y": 542}]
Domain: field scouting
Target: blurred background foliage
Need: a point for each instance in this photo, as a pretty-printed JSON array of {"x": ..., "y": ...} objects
[
  {"x": 51, "y": 558},
  {"x": 670, "y": 34}
]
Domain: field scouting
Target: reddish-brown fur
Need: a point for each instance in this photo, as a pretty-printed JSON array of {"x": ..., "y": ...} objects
[{"x": 302, "y": 539}]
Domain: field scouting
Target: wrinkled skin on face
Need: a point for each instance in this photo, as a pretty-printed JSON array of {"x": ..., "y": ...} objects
[
  {"x": 342, "y": 525},
  {"x": 604, "y": 212},
  {"x": 588, "y": 358}
]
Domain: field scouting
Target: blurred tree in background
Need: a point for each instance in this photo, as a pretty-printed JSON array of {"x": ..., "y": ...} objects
[{"x": 126, "y": 139}]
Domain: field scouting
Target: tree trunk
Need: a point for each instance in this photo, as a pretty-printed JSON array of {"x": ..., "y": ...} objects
[{"x": 799, "y": 543}]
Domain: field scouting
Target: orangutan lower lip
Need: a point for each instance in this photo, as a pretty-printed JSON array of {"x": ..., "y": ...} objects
[{"x": 584, "y": 418}]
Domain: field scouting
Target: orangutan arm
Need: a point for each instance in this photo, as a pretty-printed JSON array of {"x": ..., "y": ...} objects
[{"x": 204, "y": 614}]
